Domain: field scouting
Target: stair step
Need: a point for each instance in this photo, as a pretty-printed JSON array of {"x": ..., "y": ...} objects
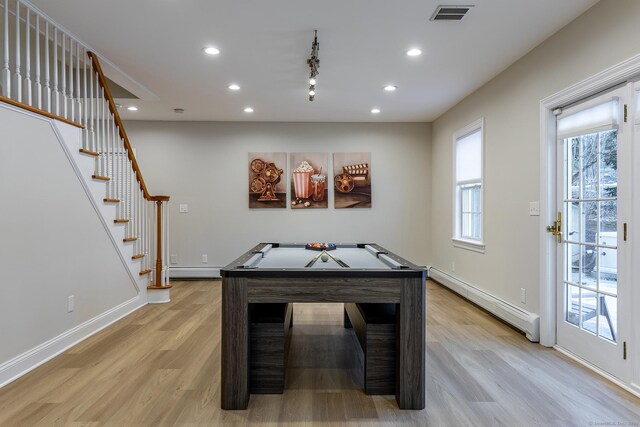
[
  {"x": 111, "y": 200},
  {"x": 89, "y": 152},
  {"x": 101, "y": 178},
  {"x": 120, "y": 220},
  {"x": 138, "y": 256},
  {"x": 129, "y": 239},
  {"x": 143, "y": 272}
]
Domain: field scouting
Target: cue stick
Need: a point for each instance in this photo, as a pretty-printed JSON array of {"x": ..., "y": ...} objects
[
  {"x": 313, "y": 261},
  {"x": 340, "y": 262}
]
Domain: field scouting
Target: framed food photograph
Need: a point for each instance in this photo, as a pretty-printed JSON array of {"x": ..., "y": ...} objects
[
  {"x": 352, "y": 180},
  {"x": 309, "y": 180},
  {"x": 267, "y": 180}
]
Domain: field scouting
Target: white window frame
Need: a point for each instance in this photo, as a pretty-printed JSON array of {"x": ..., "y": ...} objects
[{"x": 476, "y": 245}]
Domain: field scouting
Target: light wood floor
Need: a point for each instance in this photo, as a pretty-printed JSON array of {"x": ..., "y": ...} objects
[{"x": 160, "y": 366}]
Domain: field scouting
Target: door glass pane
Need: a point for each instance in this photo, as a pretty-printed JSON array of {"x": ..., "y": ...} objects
[
  {"x": 573, "y": 268},
  {"x": 590, "y": 222},
  {"x": 609, "y": 163},
  {"x": 589, "y": 166},
  {"x": 573, "y": 304},
  {"x": 608, "y": 317},
  {"x": 609, "y": 219},
  {"x": 589, "y": 309},
  {"x": 589, "y": 277},
  {"x": 609, "y": 270},
  {"x": 574, "y": 167},
  {"x": 572, "y": 210}
]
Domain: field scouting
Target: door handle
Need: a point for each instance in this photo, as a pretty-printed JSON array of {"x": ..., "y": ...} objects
[{"x": 556, "y": 228}]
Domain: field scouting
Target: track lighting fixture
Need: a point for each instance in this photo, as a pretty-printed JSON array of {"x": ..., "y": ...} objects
[{"x": 314, "y": 64}]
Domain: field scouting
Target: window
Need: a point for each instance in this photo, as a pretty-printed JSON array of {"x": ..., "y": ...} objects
[{"x": 468, "y": 219}]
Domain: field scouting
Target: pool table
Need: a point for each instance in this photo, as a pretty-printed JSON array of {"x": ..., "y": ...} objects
[{"x": 359, "y": 273}]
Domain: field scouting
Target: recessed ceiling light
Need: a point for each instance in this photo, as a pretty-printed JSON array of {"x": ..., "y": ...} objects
[
  {"x": 248, "y": 110},
  {"x": 234, "y": 87},
  {"x": 375, "y": 111},
  {"x": 211, "y": 50},
  {"x": 132, "y": 108},
  {"x": 390, "y": 88},
  {"x": 414, "y": 52}
]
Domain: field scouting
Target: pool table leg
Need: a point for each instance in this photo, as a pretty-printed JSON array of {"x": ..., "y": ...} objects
[
  {"x": 410, "y": 342},
  {"x": 234, "y": 387}
]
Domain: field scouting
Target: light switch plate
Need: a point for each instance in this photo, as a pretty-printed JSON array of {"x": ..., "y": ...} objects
[{"x": 184, "y": 208}]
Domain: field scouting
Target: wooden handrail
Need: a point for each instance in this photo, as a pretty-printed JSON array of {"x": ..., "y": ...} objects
[{"x": 114, "y": 110}]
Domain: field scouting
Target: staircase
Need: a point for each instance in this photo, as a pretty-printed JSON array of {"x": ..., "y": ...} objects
[{"x": 48, "y": 71}]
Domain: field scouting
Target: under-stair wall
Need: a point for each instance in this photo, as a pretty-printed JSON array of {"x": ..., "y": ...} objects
[{"x": 55, "y": 243}]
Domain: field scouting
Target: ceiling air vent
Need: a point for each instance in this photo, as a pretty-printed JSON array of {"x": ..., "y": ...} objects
[{"x": 450, "y": 12}]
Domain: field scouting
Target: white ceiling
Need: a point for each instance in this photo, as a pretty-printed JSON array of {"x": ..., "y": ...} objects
[{"x": 264, "y": 46}]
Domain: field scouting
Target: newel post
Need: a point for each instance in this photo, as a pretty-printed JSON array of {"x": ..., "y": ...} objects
[{"x": 161, "y": 241}]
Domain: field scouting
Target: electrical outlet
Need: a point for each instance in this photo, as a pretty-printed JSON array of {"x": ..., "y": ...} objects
[
  {"x": 534, "y": 208},
  {"x": 205, "y": 258},
  {"x": 453, "y": 266},
  {"x": 184, "y": 208},
  {"x": 523, "y": 295},
  {"x": 70, "y": 304},
  {"x": 173, "y": 259}
]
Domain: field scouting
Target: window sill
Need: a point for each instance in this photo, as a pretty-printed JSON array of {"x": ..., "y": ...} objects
[{"x": 469, "y": 245}]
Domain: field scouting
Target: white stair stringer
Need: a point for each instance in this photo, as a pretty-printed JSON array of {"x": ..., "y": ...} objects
[{"x": 84, "y": 165}]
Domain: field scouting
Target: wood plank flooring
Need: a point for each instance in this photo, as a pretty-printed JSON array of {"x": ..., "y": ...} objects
[{"x": 160, "y": 366}]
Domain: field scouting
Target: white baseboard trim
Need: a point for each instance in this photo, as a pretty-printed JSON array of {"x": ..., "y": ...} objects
[
  {"x": 194, "y": 272},
  {"x": 631, "y": 388},
  {"x": 521, "y": 319},
  {"x": 31, "y": 359}
]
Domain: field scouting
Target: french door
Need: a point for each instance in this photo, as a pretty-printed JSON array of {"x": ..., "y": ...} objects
[{"x": 593, "y": 201}]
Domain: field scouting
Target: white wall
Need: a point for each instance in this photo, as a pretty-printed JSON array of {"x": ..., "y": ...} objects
[
  {"x": 52, "y": 243},
  {"x": 203, "y": 164},
  {"x": 602, "y": 37}
]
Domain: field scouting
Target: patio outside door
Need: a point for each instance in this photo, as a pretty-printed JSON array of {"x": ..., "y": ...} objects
[{"x": 592, "y": 198}]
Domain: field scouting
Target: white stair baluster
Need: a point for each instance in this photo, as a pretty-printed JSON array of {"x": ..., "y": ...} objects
[
  {"x": 78, "y": 104},
  {"x": 85, "y": 104},
  {"x": 47, "y": 71},
  {"x": 130, "y": 198},
  {"x": 149, "y": 212},
  {"x": 18, "y": 76},
  {"x": 165, "y": 246},
  {"x": 54, "y": 89},
  {"x": 71, "y": 115},
  {"x": 96, "y": 125},
  {"x": 28, "y": 94},
  {"x": 116, "y": 174},
  {"x": 147, "y": 236},
  {"x": 111, "y": 145},
  {"x": 63, "y": 78},
  {"x": 6, "y": 71},
  {"x": 38, "y": 85}
]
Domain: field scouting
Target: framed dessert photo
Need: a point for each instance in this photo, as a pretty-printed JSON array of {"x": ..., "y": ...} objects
[
  {"x": 352, "y": 180},
  {"x": 267, "y": 180},
  {"x": 309, "y": 188}
]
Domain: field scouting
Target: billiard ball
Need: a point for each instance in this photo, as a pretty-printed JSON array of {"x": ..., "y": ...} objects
[{"x": 324, "y": 257}]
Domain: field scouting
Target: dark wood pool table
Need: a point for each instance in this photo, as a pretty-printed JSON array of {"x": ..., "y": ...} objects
[{"x": 359, "y": 273}]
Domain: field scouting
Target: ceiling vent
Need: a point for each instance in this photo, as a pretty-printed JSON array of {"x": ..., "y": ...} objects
[{"x": 450, "y": 12}]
